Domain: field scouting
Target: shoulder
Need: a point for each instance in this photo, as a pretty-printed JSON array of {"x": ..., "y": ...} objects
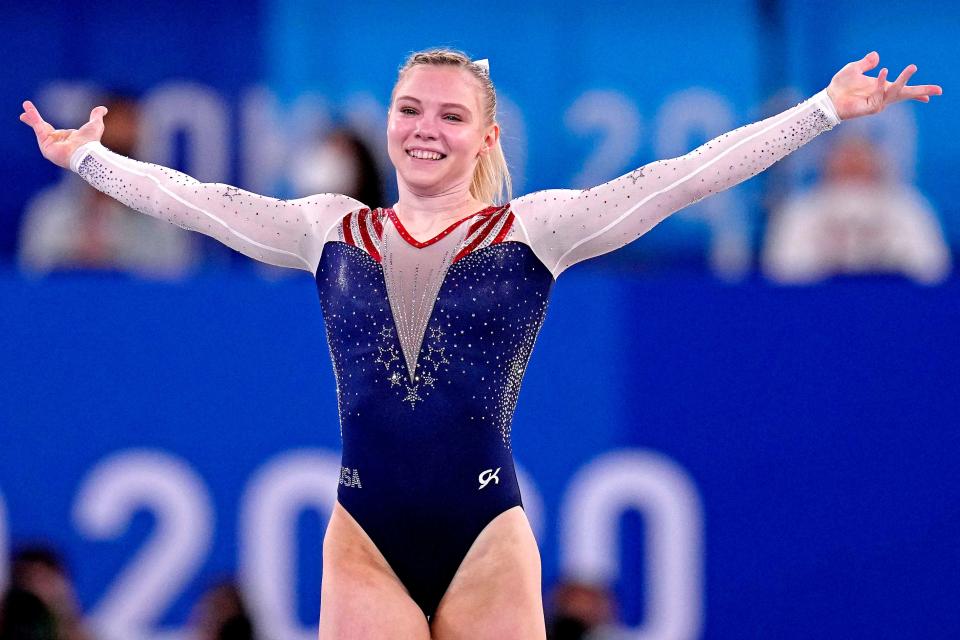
[
  {"x": 330, "y": 204},
  {"x": 539, "y": 202}
]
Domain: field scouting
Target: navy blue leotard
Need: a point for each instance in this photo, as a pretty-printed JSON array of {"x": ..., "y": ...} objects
[{"x": 429, "y": 340}]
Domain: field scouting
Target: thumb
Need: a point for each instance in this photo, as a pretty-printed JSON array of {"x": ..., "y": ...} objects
[
  {"x": 94, "y": 127},
  {"x": 868, "y": 62},
  {"x": 96, "y": 115}
]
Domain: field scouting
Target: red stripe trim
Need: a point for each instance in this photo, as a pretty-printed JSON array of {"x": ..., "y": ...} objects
[
  {"x": 347, "y": 234},
  {"x": 365, "y": 234},
  {"x": 476, "y": 225},
  {"x": 378, "y": 223},
  {"x": 491, "y": 223},
  {"x": 406, "y": 236},
  {"x": 506, "y": 228}
]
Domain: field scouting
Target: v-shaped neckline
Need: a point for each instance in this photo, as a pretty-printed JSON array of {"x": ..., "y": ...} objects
[{"x": 426, "y": 243}]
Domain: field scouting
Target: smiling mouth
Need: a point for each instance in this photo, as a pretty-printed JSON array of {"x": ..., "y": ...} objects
[{"x": 418, "y": 154}]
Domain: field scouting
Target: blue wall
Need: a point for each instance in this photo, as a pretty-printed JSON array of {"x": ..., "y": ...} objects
[
  {"x": 800, "y": 442},
  {"x": 808, "y": 433}
]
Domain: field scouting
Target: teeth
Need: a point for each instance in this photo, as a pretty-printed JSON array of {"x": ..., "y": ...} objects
[{"x": 424, "y": 155}]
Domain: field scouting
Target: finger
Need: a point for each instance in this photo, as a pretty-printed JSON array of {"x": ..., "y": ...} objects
[
  {"x": 882, "y": 81},
  {"x": 868, "y": 62},
  {"x": 30, "y": 114},
  {"x": 32, "y": 117},
  {"x": 904, "y": 76},
  {"x": 922, "y": 90}
]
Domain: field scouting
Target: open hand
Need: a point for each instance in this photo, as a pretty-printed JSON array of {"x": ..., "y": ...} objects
[
  {"x": 57, "y": 145},
  {"x": 855, "y": 94}
]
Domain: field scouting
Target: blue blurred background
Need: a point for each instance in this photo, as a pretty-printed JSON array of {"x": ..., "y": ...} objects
[{"x": 733, "y": 457}]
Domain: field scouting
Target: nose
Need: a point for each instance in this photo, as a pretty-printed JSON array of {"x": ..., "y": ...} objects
[{"x": 425, "y": 130}]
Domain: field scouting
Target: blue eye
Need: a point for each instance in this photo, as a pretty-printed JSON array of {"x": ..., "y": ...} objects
[{"x": 454, "y": 115}]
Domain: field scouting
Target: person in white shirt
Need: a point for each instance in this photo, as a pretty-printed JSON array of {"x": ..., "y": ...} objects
[{"x": 857, "y": 220}]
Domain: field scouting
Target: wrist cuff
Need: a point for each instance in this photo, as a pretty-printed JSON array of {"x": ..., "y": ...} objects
[
  {"x": 82, "y": 152},
  {"x": 823, "y": 100}
]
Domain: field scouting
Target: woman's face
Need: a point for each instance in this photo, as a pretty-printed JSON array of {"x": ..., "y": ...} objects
[{"x": 437, "y": 110}]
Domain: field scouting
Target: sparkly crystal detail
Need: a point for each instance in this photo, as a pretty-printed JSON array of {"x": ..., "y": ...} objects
[
  {"x": 412, "y": 396},
  {"x": 475, "y": 348},
  {"x": 413, "y": 277},
  {"x": 386, "y": 356}
]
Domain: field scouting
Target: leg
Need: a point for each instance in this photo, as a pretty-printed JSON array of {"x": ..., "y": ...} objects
[
  {"x": 360, "y": 596},
  {"x": 496, "y": 592}
]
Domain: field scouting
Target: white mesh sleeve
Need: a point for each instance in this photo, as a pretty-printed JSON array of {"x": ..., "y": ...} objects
[
  {"x": 286, "y": 233},
  {"x": 565, "y": 226}
]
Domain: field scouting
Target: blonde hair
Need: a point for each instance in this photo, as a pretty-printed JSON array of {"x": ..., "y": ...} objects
[{"x": 491, "y": 178}]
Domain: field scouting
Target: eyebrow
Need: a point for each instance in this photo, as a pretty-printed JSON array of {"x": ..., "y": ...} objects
[{"x": 445, "y": 104}]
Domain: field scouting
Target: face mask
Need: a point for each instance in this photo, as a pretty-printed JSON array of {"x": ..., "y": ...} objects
[{"x": 323, "y": 169}]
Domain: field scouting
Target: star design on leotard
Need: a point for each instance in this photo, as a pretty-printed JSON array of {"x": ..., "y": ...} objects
[
  {"x": 428, "y": 379},
  {"x": 395, "y": 378},
  {"x": 436, "y": 333},
  {"x": 412, "y": 396},
  {"x": 636, "y": 174},
  {"x": 386, "y": 332},
  {"x": 436, "y": 362},
  {"x": 386, "y": 356},
  {"x": 231, "y": 192}
]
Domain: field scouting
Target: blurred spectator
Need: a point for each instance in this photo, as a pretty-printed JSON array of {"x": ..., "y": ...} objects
[
  {"x": 339, "y": 163},
  {"x": 859, "y": 219},
  {"x": 580, "y": 611},
  {"x": 40, "y": 603},
  {"x": 71, "y": 226},
  {"x": 221, "y": 614}
]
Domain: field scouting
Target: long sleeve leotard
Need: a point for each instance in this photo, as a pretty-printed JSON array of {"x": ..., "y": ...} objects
[{"x": 429, "y": 340}]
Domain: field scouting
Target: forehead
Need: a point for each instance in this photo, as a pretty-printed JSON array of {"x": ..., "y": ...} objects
[{"x": 432, "y": 84}]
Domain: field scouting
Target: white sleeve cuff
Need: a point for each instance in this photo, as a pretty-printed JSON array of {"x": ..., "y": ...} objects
[
  {"x": 822, "y": 99},
  {"x": 82, "y": 152}
]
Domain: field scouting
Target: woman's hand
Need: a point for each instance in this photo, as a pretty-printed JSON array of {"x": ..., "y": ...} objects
[
  {"x": 855, "y": 94},
  {"x": 57, "y": 145}
]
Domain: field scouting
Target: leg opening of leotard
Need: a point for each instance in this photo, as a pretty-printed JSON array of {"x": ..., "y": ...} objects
[{"x": 471, "y": 547}]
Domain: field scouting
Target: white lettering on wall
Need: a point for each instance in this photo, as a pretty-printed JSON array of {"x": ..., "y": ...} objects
[
  {"x": 276, "y": 496},
  {"x": 201, "y": 115},
  {"x": 112, "y": 493},
  {"x": 617, "y": 121},
  {"x": 662, "y": 492}
]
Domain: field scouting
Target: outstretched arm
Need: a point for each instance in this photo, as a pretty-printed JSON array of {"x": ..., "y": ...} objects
[
  {"x": 565, "y": 226},
  {"x": 286, "y": 233}
]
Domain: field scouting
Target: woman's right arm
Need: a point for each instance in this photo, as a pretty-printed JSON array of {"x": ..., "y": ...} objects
[{"x": 286, "y": 233}]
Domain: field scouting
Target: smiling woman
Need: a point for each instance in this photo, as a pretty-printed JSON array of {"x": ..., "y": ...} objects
[
  {"x": 430, "y": 337},
  {"x": 444, "y": 140}
]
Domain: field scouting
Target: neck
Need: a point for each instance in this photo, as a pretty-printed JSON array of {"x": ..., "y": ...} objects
[{"x": 420, "y": 210}]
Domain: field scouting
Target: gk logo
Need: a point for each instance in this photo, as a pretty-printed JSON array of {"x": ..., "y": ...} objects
[{"x": 487, "y": 476}]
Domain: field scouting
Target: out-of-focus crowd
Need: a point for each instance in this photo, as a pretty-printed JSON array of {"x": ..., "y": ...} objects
[
  {"x": 71, "y": 226},
  {"x": 858, "y": 219},
  {"x": 41, "y": 604}
]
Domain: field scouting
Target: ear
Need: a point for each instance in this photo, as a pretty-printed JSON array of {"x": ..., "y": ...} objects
[{"x": 490, "y": 139}]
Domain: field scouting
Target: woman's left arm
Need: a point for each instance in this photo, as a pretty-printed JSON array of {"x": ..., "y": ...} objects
[{"x": 565, "y": 226}]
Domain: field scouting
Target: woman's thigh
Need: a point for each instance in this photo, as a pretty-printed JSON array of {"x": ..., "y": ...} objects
[
  {"x": 496, "y": 591},
  {"x": 360, "y": 595}
]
